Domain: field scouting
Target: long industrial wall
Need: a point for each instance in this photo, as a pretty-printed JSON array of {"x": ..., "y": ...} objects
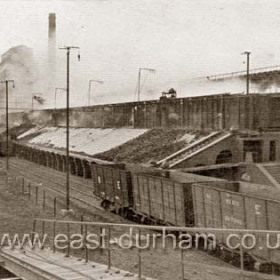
[{"x": 244, "y": 112}]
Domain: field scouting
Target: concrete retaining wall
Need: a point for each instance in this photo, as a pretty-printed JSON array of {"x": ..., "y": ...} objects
[{"x": 245, "y": 112}]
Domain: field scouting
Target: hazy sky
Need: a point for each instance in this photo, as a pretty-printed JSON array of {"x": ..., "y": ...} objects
[{"x": 181, "y": 39}]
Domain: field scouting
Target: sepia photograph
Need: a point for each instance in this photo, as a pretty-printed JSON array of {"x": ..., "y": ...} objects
[{"x": 139, "y": 139}]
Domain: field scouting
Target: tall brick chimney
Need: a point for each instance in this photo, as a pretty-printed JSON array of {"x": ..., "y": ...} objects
[{"x": 52, "y": 54}]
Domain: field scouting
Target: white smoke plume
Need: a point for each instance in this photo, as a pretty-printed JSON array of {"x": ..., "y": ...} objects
[{"x": 18, "y": 64}]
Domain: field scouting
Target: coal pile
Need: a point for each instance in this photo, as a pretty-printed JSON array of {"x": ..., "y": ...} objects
[{"x": 153, "y": 145}]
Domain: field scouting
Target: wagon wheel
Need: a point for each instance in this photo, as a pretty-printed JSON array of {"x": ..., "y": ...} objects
[{"x": 105, "y": 204}]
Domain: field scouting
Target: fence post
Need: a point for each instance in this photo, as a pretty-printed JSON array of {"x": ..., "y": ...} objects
[
  {"x": 182, "y": 264},
  {"x": 109, "y": 249},
  {"x": 82, "y": 219},
  {"x": 101, "y": 240},
  {"x": 33, "y": 230},
  {"x": 54, "y": 206},
  {"x": 36, "y": 198},
  {"x": 139, "y": 256},
  {"x": 44, "y": 200},
  {"x": 54, "y": 233},
  {"x": 68, "y": 237},
  {"x": 43, "y": 232},
  {"x": 29, "y": 190},
  {"x": 86, "y": 247},
  {"x": 241, "y": 260}
]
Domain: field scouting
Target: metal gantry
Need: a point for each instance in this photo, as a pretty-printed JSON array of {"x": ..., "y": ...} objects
[
  {"x": 55, "y": 92},
  {"x": 248, "y": 70},
  {"x": 89, "y": 88},
  {"x": 139, "y": 87}
]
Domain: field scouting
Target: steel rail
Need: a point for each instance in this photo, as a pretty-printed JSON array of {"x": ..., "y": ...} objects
[{"x": 60, "y": 191}]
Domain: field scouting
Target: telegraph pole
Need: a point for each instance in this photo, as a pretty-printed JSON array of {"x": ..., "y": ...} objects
[
  {"x": 68, "y": 48},
  {"x": 90, "y": 81},
  {"x": 139, "y": 79},
  {"x": 6, "y": 82},
  {"x": 248, "y": 70}
]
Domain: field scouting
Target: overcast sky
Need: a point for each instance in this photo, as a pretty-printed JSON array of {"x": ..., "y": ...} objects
[{"x": 181, "y": 39}]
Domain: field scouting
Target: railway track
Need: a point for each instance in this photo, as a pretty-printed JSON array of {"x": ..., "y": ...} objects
[{"x": 50, "y": 180}]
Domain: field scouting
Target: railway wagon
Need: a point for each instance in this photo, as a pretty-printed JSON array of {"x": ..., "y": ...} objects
[
  {"x": 218, "y": 208},
  {"x": 168, "y": 200},
  {"x": 113, "y": 186}
]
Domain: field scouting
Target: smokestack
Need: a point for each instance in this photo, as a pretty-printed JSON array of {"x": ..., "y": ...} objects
[
  {"x": 52, "y": 26},
  {"x": 52, "y": 54}
]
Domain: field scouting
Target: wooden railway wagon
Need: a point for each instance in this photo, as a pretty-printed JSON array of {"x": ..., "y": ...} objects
[
  {"x": 219, "y": 208},
  {"x": 168, "y": 200},
  {"x": 113, "y": 185}
]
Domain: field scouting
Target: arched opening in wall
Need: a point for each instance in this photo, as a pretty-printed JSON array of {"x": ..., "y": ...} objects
[
  {"x": 40, "y": 157},
  {"x": 43, "y": 158},
  {"x": 53, "y": 161},
  {"x": 32, "y": 155},
  {"x": 63, "y": 163},
  {"x": 26, "y": 154},
  {"x": 87, "y": 170},
  {"x": 16, "y": 149},
  {"x": 224, "y": 156},
  {"x": 72, "y": 166},
  {"x": 1, "y": 150},
  {"x": 59, "y": 162},
  {"x": 80, "y": 171},
  {"x": 35, "y": 156},
  {"x": 48, "y": 159}
]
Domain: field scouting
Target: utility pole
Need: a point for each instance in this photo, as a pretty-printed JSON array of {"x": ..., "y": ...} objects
[
  {"x": 89, "y": 86},
  {"x": 248, "y": 70},
  {"x": 6, "y": 82},
  {"x": 139, "y": 79},
  {"x": 68, "y": 48},
  {"x": 56, "y": 89}
]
